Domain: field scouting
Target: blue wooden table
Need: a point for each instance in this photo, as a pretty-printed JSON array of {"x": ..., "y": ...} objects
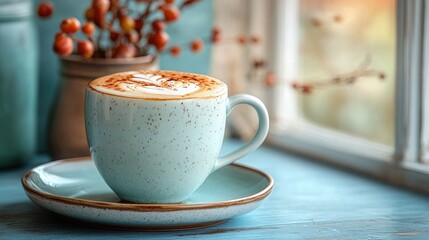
[{"x": 309, "y": 201}]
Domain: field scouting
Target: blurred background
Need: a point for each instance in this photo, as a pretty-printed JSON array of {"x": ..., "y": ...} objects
[{"x": 327, "y": 63}]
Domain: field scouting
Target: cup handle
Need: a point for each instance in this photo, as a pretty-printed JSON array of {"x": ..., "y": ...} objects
[{"x": 260, "y": 135}]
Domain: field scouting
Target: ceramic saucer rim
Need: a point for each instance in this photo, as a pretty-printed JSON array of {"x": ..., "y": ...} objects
[{"x": 146, "y": 207}]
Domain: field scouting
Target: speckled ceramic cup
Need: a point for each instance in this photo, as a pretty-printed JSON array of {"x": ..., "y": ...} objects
[{"x": 160, "y": 145}]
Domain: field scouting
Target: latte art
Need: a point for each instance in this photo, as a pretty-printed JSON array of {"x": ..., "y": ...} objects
[{"x": 159, "y": 85}]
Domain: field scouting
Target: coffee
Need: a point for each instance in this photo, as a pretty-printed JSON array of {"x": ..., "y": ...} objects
[
  {"x": 159, "y": 85},
  {"x": 155, "y": 136}
]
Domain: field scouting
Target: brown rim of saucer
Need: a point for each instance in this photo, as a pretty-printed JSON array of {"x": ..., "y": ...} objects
[{"x": 139, "y": 207}]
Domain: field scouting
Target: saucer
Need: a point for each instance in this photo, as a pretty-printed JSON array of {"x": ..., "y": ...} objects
[{"x": 74, "y": 189}]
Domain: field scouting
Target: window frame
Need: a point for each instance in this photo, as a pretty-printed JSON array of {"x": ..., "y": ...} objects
[{"x": 400, "y": 164}]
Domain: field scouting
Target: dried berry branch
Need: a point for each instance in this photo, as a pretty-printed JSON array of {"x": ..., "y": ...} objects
[{"x": 361, "y": 73}]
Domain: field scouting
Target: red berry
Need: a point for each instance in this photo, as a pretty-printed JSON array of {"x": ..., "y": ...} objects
[
  {"x": 122, "y": 12},
  {"x": 197, "y": 45},
  {"x": 159, "y": 40},
  {"x": 100, "y": 8},
  {"x": 175, "y": 50},
  {"x": 158, "y": 25},
  {"x": 88, "y": 28},
  {"x": 338, "y": 18},
  {"x": 255, "y": 39},
  {"x": 242, "y": 39},
  {"x": 307, "y": 88},
  {"x": 171, "y": 14},
  {"x": 258, "y": 63},
  {"x": 169, "y": 1},
  {"x": 63, "y": 45},
  {"x": 85, "y": 49},
  {"x": 133, "y": 36},
  {"x": 70, "y": 25},
  {"x": 59, "y": 36},
  {"x": 99, "y": 19},
  {"x": 316, "y": 22},
  {"x": 125, "y": 51},
  {"x": 127, "y": 23},
  {"x": 101, "y": 5},
  {"x": 45, "y": 9},
  {"x": 113, "y": 36},
  {"x": 89, "y": 14},
  {"x": 270, "y": 79},
  {"x": 296, "y": 85},
  {"x": 162, "y": 6},
  {"x": 138, "y": 24}
]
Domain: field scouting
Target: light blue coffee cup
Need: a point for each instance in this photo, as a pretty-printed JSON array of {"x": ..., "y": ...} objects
[{"x": 161, "y": 151}]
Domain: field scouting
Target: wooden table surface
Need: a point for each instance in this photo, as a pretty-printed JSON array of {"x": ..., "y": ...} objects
[{"x": 309, "y": 201}]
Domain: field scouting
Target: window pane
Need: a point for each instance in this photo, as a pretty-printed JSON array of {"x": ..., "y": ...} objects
[{"x": 349, "y": 45}]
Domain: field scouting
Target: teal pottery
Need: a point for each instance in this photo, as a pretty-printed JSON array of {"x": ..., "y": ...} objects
[
  {"x": 67, "y": 129},
  {"x": 160, "y": 148},
  {"x": 75, "y": 190},
  {"x": 18, "y": 82}
]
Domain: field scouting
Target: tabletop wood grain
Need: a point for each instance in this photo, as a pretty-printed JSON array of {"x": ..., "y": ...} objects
[{"x": 309, "y": 201}]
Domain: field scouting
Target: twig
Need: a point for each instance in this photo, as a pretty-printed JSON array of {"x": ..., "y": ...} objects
[{"x": 343, "y": 79}]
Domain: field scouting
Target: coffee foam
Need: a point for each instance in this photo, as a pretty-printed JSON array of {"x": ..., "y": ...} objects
[{"x": 162, "y": 85}]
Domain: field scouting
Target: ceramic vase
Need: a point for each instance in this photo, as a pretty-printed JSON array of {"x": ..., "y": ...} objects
[
  {"x": 67, "y": 129},
  {"x": 18, "y": 82}
]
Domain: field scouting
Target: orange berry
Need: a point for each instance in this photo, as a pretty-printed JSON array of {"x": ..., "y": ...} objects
[
  {"x": 59, "y": 36},
  {"x": 169, "y": 1},
  {"x": 255, "y": 39},
  {"x": 242, "y": 39},
  {"x": 159, "y": 40},
  {"x": 101, "y": 5},
  {"x": 171, "y": 14},
  {"x": 258, "y": 63},
  {"x": 125, "y": 51},
  {"x": 197, "y": 45},
  {"x": 85, "y": 49},
  {"x": 296, "y": 85},
  {"x": 113, "y": 36},
  {"x": 162, "y": 6},
  {"x": 138, "y": 24},
  {"x": 70, "y": 25},
  {"x": 307, "y": 88},
  {"x": 175, "y": 50},
  {"x": 45, "y": 9},
  {"x": 337, "y": 18},
  {"x": 158, "y": 25},
  {"x": 100, "y": 8},
  {"x": 127, "y": 23},
  {"x": 63, "y": 45},
  {"x": 88, "y": 28},
  {"x": 270, "y": 79},
  {"x": 316, "y": 22},
  {"x": 89, "y": 14}
]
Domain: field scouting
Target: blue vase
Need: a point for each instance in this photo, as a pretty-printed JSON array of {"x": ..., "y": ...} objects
[{"x": 18, "y": 82}]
